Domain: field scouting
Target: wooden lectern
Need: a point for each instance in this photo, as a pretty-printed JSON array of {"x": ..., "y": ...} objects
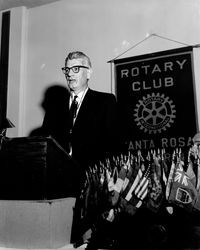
[{"x": 36, "y": 168}]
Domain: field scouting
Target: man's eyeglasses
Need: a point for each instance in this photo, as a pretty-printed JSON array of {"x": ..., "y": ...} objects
[{"x": 75, "y": 69}]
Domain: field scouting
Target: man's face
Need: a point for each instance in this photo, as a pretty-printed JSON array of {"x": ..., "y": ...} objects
[{"x": 77, "y": 81}]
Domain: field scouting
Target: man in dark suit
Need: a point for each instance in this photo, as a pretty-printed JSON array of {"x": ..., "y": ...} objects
[
  {"x": 92, "y": 133},
  {"x": 87, "y": 126}
]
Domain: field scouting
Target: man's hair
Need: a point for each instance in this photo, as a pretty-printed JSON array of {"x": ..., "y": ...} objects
[{"x": 77, "y": 55}]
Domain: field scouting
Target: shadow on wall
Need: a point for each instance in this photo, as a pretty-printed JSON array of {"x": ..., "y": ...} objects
[{"x": 54, "y": 104}]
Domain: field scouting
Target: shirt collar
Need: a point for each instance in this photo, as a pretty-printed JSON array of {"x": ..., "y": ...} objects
[{"x": 80, "y": 95}]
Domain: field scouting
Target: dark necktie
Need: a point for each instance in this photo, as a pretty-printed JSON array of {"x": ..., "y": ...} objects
[
  {"x": 72, "y": 115},
  {"x": 73, "y": 110}
]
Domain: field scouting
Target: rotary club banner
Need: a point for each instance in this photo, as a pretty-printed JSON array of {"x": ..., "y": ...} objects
[{"x": 156, "y": 97}]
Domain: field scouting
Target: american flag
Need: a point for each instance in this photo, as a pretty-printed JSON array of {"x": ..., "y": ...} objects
[{"x": 137, "y": 190}]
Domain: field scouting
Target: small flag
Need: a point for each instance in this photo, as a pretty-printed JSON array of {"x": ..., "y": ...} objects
[
  {"x": 155, "y": 195},
  {"x": 139, "y": 188},
  {"x": 182, "y": 191},
  {"x": 170, "y": 177},
  {"x": 192, "y": 168}
]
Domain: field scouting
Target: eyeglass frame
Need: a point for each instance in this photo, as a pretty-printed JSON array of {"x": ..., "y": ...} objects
[{"x": 72, "y": 68}]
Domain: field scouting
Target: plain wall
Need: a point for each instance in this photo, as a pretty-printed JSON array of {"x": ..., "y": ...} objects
[{"x": 41, "y": 37}]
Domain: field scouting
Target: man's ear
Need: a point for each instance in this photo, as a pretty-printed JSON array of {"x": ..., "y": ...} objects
[{"x": 89, "y": 73}]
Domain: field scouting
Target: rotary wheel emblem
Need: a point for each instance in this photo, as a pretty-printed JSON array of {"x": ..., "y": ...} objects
[{"x": 154, "y": 113}]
